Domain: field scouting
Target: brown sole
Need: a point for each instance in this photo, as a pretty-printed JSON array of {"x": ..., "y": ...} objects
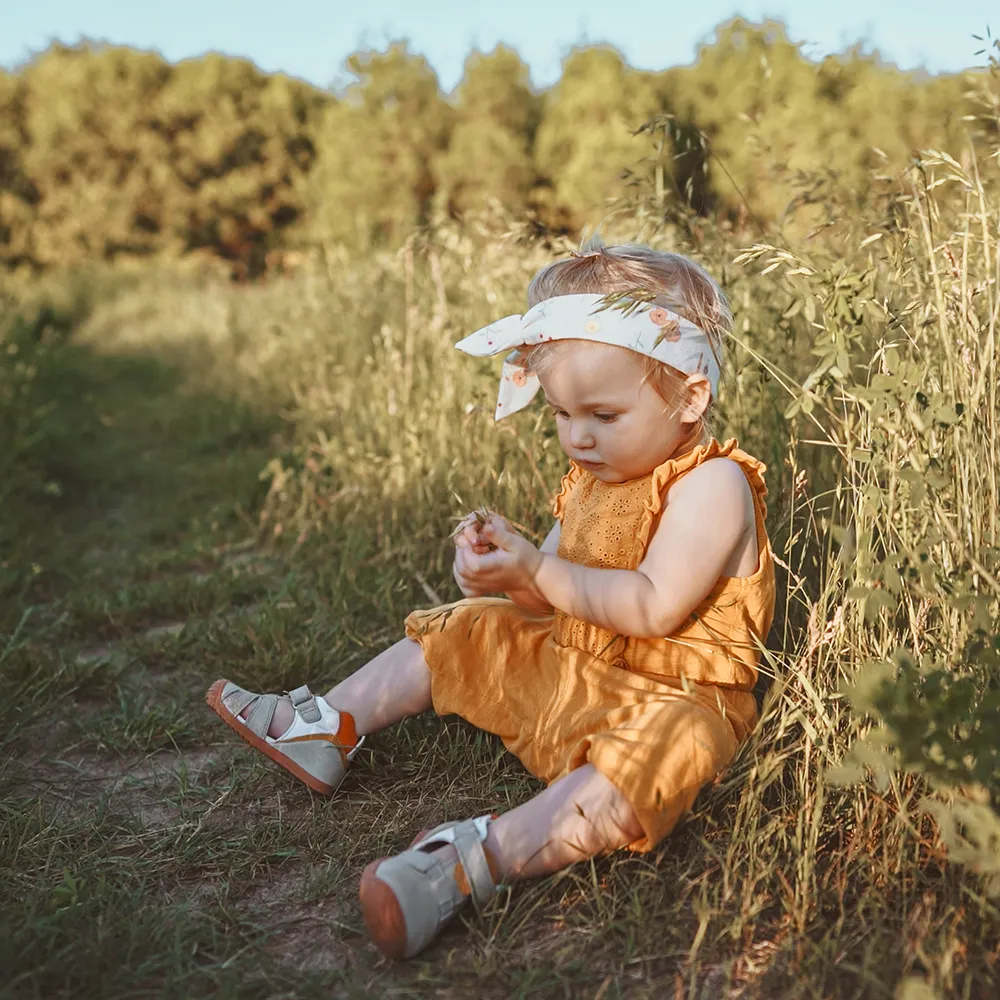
[
  {"x": 213, "y": 698},
  {"x": 382, "y": 914}
]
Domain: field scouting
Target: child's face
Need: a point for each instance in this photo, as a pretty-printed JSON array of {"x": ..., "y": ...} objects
[{"x": 611, "y": 422}]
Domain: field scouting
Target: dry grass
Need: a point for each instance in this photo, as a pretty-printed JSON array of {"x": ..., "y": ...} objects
[{"x": 144, "y": 854}]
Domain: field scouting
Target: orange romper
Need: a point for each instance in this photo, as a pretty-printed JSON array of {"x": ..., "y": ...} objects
[{"x": 658, "y": 717}]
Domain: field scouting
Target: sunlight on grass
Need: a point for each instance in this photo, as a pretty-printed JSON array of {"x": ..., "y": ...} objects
[{"x": 328, "y": 419}]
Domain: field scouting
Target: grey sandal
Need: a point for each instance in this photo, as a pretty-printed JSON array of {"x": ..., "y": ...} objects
[
  {"x": 407, "y": 899},
  {"x": 317, "y": 747}
]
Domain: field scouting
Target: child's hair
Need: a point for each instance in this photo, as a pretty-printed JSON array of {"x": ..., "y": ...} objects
[{"x": 678, "y": 283}]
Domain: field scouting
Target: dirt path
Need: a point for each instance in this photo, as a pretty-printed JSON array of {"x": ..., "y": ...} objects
[{"x": 144, "y": 850}]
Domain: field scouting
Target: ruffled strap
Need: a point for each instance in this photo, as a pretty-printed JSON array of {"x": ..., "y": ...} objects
[
  {"x": 673, "y": 469},
  {"x": 568, "y": 482}
]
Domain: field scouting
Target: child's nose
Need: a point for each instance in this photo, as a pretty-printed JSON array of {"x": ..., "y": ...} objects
[{"x": 579, "y": 435}]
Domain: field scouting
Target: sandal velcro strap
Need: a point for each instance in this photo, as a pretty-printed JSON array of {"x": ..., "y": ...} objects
[
  {"x": 408, "y": 898},
  {"x": 469, "y": 847},
  {"x": 304, "y": 702},
  {"x": 235, "y": 699},
  {"x": 467, "y": 838},
  {"x": 259, "y": 719}
]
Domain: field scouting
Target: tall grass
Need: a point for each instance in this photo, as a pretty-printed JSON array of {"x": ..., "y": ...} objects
[{"x": 852, "y": 844}]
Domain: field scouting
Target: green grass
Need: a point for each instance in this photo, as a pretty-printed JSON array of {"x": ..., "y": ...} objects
[{"x": 145, "y": 853}]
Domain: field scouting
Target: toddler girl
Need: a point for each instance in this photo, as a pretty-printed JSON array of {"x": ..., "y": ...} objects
[{"x": 619, "y": 666}]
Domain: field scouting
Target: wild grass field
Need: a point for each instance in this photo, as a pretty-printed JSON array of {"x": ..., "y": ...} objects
[{"x": 200, "y": 480}]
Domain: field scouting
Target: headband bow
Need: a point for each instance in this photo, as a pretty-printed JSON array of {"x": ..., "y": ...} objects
[{"x": 651, "y": 330}]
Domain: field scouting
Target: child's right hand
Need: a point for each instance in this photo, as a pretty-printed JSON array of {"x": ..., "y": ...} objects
[{"x": 468, "y": 538}]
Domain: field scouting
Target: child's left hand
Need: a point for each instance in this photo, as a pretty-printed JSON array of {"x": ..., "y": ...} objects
[{"x": 511, "y": 566}]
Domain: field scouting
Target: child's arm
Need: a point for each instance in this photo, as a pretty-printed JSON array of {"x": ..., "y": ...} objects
[
  {"x": 531, "y": 598},
  {"x": 705, "y": 529},
  {"x": 701, "y": 535}
]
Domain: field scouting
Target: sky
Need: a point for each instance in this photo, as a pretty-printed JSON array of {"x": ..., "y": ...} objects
[{"x": 311, "y": 39}]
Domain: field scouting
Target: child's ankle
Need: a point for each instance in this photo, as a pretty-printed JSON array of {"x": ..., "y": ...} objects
[
  {"x": 348, "y": 730},
  {"x": 284, "y": 716}
]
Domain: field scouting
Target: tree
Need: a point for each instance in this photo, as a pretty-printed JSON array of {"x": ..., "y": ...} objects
[
  {"x": 130, "y": 155},
  {"x": 376, "y": 146},
  {"x": 489, "y": 153},
  {"x": 89, "y": 153},
  {"x": 241, "y": 143},
  {"x": 786, "y": 132},
  {"x": 108, "y": 151},
  {"x": 585, "y": 140},
  {"x": 18, "y": 193}
]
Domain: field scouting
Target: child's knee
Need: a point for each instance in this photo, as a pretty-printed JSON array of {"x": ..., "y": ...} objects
[
  {"x": 622, "y": 826},
  {"x": 606, "y": 819}
]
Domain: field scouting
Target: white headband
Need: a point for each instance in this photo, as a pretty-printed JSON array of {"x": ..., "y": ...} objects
[{"x": 651, "y": 330}]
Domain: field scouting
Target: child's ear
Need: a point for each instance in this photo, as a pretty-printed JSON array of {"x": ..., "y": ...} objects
[{"x": 698, "y": 396}]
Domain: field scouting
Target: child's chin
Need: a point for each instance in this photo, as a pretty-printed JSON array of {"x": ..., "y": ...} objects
[{"x": 607, "y": 475}]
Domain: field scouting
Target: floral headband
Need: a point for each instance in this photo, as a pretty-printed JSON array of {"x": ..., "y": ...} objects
[{"x": 654, "y": 331}]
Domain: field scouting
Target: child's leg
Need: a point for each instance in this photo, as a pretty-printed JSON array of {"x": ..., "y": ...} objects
[
  {"x": 407, "y": 899},
  {"x": 394, "y": 685},
  {"x": 577, "y": 817}
]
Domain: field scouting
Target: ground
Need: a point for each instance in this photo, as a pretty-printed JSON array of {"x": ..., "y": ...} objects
[{"x": 147, "y": 852}]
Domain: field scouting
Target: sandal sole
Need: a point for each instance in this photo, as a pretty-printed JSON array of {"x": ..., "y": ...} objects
[
  {"x": 382, "y": 914},
  {"x": 213, "y": 698}
]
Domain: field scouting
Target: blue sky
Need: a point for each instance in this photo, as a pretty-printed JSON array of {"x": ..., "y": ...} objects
[{"x": 311, "y": 38}]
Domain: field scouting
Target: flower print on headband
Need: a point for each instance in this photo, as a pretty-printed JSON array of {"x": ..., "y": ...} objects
[{"x": 657, "y": 332}]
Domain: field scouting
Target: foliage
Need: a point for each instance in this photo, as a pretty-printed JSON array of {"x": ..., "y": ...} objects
[
  {"x": 376, "y": 149},
  {"x": 33, "y": 428},
  {"x": 900, "y": 390},
  {"x": 489, "y": 149},
  {"x": 107, "y": 152}
]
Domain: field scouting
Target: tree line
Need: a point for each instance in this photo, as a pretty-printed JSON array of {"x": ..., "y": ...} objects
[{"x": 108, "y": 151}]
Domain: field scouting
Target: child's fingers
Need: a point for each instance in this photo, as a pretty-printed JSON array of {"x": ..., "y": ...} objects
[
  {"x": 461, "y": 526},
  {"x": 467, "y": 585},
  {"x": 498, "y": 522},
  {"x": 470, "y": 520},
  {"x": 471, "y": 539},
  {"x": 479, "y": 547},
  {"x": 474, "y": 544},
  {"x": 459, "y": 577},
  {"x": 470, "y": 566},
  {"x": 497, "y": 531},
  {"x": 464, "y": 535},
  {"x": 466, "y": 561}
]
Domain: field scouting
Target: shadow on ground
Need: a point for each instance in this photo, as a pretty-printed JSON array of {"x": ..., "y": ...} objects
[{"x": 114, "y": 456}]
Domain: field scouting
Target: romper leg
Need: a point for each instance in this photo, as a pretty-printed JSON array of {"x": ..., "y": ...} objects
[
  {"x": 577, "y": 817},
  {"x": 659, "y": 758}
]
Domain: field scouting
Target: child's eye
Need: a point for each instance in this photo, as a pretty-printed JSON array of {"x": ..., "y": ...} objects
[
  {"x": 559, "y": 413},
  {"x": 606, "y": 418}
]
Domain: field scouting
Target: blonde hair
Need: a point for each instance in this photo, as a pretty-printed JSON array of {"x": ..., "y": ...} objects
[{"x": 677, "y": 282}]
